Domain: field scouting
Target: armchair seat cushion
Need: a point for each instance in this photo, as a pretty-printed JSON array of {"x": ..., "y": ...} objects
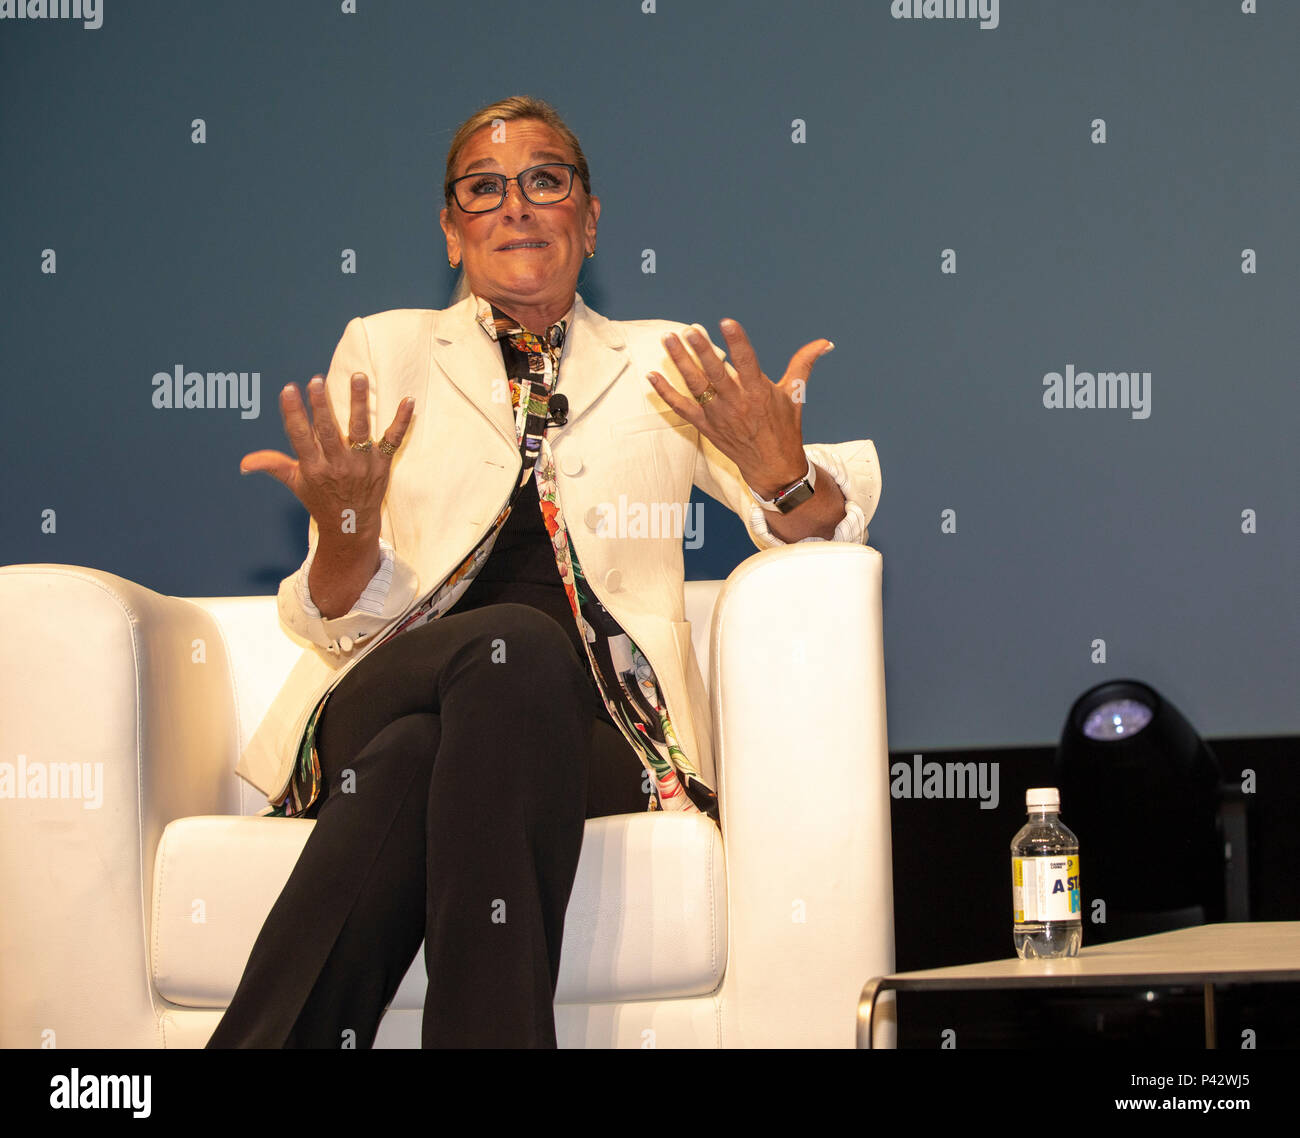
[{"x": 647, "y": 918}]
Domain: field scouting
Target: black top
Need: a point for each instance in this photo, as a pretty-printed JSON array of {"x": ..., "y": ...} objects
[{"x": 521, "y": 568}]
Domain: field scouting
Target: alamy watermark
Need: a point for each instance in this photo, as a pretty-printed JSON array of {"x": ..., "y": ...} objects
[
  {"x": 986, "y": 11},
  {"x": 38, "y": 779},
  {"x": 919, "y": 779},
  {"x": 196, "y": 390},
  {"x": 89, "y": 12},
  {"x": 1104, "y": 391},
  {"x": 651, "y": 519}
]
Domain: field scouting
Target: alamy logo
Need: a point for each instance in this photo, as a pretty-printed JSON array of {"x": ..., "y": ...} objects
[
  {"x": 53, "y": 780},
  {"x": 1104, "y": 391},
  {"x": 986, "y": 11},
  {"x": 196, "y": 390},
  {"x": 75, "y": 1091},
  {"x": 89, "y": 12}
]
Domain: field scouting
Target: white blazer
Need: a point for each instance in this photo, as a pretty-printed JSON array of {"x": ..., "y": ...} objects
[{"x": 459, "y": 463}]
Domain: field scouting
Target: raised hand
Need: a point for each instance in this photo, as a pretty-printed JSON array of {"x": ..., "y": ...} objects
[
  {"x": 753, "y": 421},
  {"x": 329, "y": 477}
]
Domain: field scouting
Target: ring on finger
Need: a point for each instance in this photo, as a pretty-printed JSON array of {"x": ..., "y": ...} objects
[
  {"x": 707, "y": 395},
  {"x": 363, "y": 446},
  {"x": 387, "y": 447}
]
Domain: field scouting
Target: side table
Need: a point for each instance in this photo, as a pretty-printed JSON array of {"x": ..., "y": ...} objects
[{"x": 1242, "y": 952}]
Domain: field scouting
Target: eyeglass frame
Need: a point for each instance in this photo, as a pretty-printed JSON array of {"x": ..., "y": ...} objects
[{"x": 505, "y": 185}]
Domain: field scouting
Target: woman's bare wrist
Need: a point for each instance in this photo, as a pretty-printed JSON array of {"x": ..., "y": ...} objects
[{"x": 340, "y": 570}]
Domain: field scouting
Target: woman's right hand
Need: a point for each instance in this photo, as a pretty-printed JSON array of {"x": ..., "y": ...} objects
[{"x": 328, "y": 476}]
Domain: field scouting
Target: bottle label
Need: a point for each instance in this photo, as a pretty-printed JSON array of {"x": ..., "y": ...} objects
[{"x": 1045, "y": 888}]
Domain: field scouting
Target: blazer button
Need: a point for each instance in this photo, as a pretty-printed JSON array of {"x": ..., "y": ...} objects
[
  {"x": 592, "y": 518},
  {"x": 345, "y": 642},
  {"x": 570, "y": 463},
  {"x": 614, "y": 580}
]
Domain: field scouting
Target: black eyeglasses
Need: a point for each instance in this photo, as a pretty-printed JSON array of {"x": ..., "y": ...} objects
[{"x": 541, "y": 185}]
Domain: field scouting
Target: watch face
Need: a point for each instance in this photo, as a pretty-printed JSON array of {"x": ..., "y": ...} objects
[{"x": 795, "y": 497}]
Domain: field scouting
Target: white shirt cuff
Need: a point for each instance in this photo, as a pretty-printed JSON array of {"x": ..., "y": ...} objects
[
  {"x": 852, "y": 527},
  {"x": 373, "y": 596}
]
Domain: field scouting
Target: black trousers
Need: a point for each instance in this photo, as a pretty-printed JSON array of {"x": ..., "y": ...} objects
[{"x": 459, "y": 762}]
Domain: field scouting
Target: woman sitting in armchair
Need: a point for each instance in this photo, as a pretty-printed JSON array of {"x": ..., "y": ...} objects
[{"x": 496, "y": 655}]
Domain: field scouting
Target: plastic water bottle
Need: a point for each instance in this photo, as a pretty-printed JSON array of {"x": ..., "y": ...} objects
[{"x": 1045, "y": 881}]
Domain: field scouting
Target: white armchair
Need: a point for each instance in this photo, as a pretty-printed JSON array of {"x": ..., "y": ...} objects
[{"x": 135, "y": 871}]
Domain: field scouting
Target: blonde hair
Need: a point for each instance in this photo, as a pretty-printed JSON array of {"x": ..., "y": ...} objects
[{"x": 507, "y": 110}]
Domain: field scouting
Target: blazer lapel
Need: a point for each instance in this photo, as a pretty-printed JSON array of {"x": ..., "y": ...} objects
[
  {"x": 472, "y": 361},
  {"x": 594, "y": 357}
]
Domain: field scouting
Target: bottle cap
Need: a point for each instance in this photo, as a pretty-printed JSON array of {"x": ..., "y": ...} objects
[{"x": 1043, "y": 798}]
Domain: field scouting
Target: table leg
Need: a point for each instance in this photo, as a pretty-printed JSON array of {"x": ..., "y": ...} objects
[
  {"x": 867, "y": 1003},
  {"x": 1210, "y": 1043}
]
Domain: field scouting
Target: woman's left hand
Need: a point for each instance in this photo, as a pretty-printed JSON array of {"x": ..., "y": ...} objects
[{"x": 756, "y": 423}]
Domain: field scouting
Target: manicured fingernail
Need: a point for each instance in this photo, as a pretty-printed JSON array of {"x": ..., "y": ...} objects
[{"x": 830, "y": 347}]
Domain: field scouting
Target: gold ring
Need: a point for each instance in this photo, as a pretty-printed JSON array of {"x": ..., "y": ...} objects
[
  {"x": 707, "y": 395},
  {"x": 363, "y": 446},
  {"x": 387, "y": 447}
]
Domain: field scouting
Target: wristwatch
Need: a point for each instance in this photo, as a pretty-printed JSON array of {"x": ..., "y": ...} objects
[{"x": 790, "y": 497}]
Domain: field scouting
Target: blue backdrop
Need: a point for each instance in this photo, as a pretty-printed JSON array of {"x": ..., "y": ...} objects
[{"x": 965, "y": 206}]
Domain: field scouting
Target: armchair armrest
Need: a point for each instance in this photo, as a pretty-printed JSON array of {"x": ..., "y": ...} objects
[
  {"x": 116, "y": 717},
  {"x": 798, "y": 702}
]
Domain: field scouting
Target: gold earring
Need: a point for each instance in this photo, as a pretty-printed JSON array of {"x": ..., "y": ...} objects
[
  {"x": 591, "y": 254},
  {"x": 451, "y": 263}
]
